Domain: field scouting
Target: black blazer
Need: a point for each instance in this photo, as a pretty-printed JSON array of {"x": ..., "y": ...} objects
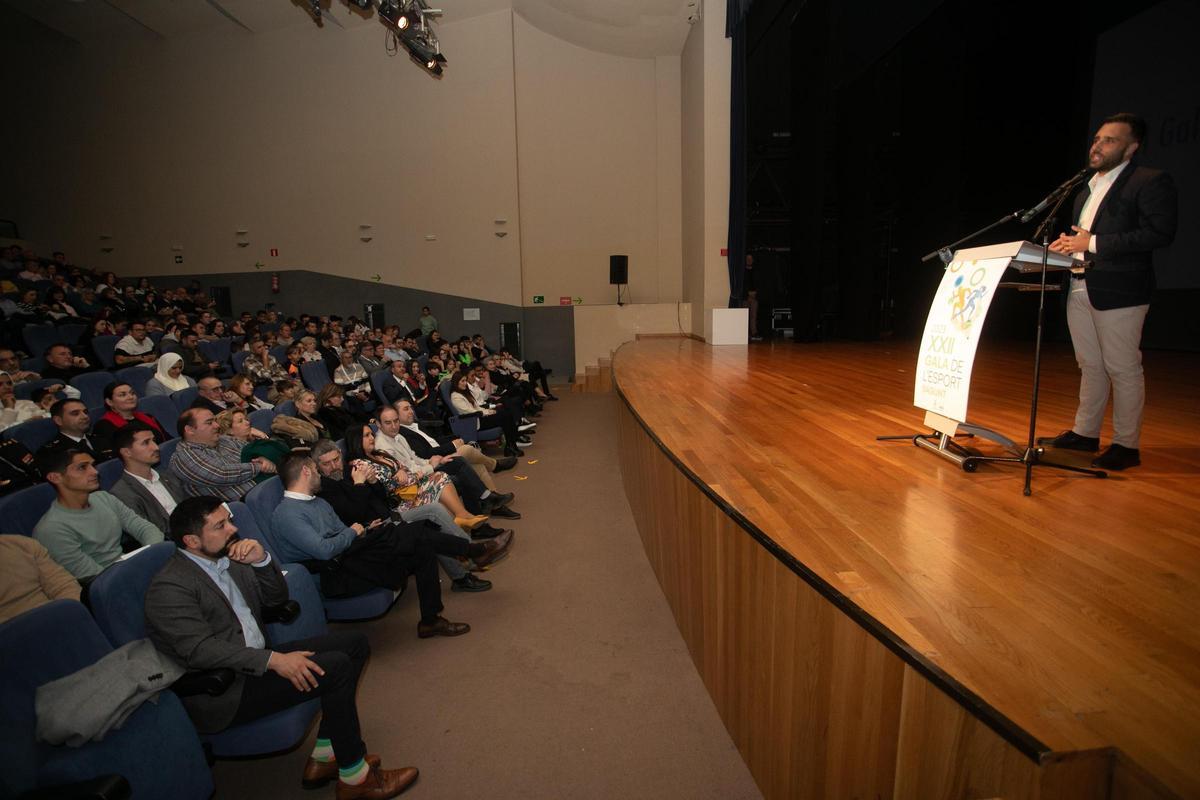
[
  {"x": 1137, "y": 216},
  {"x": 395, "y": 390},
  {"x": 424, "y": 449}
]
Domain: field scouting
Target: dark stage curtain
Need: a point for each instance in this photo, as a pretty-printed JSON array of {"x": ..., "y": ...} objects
[{"x": 735, "y": 29}]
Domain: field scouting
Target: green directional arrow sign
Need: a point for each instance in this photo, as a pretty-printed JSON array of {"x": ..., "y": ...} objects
[
  {"x": 578, "y": 300},
  {"x": 539, "y": 299},
  {"x": 377, "y": 277},
  {"x": 258, "y": 265}
]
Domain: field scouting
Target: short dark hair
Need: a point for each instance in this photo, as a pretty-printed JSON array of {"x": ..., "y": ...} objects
[
  {"x": 54, "y": 460},
  {"x": 60, "y": 407},
  {"x": 1137, "y": 125},
  {"x": 292, "y": 465},
  {"x": 46, "y": 352},
  {"x": 112, "y": 387},
  {"x": 185, "y": 420},
  {"x": 124, "y": 437},
  {"x": 40, "y": 394},
  {"x": 189, "y": 516}
]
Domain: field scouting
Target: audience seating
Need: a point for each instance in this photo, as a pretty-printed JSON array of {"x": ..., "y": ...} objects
[
  {"x": 217, "y": 350},
  {"x": 261, "y": 420},
  {"x": 287, "y": 408},
  {"x": 315, "y": 375},
  {"x": 238, "y": 359},
  {"x": 165, "y": 451},
  {"x": 377, "y": 379},
  {"x": 39, "y": 337},
  {"x": 21, "y": 510},
  {"x": 137, "y": 377},
  {"x": 104, "y": 347},
  {"x": 33, "y": 434},
  {"x": 117, "y": 598},
  {"x": 280, "y": 352},
  {"x": 466, "y": 428},
  {"x": 25, "y": 390},
  {"x": 157, "y": 749},
  {"x": 35, "y": 363},
  {"x": 70, "y": 334},
  {"x": 162, "y": 409},
  {"x": 110, "y": 472},
  {"x": 262, "y": 500},
  {"x": 184, "y": 398},
  {"x": 91, "y": 387}
]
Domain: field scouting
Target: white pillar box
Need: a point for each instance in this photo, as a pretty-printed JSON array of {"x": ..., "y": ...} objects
[{"x": 730, "y": 326}]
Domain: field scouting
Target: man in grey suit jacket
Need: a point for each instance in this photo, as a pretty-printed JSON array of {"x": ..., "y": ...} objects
[
  {"x": 151, "y": 494},
  {"x": 204, "y": 611}
]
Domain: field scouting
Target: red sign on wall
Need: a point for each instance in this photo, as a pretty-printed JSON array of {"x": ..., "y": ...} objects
[
  {"x": 274, "y": 251},
  {"x": 564, "y": 301}
]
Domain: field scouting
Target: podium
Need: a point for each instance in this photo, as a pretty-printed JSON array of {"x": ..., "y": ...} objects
[{"x": 949, "y": 343}]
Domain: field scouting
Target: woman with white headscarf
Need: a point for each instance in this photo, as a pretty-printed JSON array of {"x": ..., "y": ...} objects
[
  {"x": 14, "y": 411},
  {"x": 168, "y": 376}
]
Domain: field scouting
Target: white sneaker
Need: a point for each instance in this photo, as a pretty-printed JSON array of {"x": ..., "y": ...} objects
[
  {"x": 523, "y": 443},
  {"x": 529, "y": 427}
]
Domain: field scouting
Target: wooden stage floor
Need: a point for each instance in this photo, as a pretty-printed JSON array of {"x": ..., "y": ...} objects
[{"x": 1071, "y": 613}]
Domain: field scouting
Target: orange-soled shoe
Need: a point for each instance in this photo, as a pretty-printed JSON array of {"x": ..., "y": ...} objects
[{"x": 379, "y": 785}]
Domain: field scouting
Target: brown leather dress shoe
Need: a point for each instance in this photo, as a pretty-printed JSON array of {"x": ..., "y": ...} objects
[
  {"x": 443, "y": 627},
  {"x": 319, "y": 773},
  {"x": 494, "y": 550},
  {"x": 379, "y": 785}
]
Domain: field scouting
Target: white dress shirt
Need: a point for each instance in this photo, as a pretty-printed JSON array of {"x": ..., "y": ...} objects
[
  {"x": 156, "y": 487},
  {"x": 1098, "y": 186}
]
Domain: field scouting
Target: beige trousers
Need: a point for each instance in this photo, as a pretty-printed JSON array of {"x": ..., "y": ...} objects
[{"x": 483, "y": 465}]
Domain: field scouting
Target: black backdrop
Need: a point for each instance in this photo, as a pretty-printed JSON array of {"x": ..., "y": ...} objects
[{"x": 878, "y": 132}]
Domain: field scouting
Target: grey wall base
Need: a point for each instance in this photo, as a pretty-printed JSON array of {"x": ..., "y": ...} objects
[{"x": 548, "y": 333}]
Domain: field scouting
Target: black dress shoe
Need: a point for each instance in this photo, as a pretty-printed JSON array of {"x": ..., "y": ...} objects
[
  {"x": 508, "y": 462},
  {"x": 501, "y": 498},
  {"x": 1070, "y": 440},
  {"x": 1117, "y": 458},
  {"x": 552, "y": 397},
  {"x": 504, "y": 512},
  {"x": 486, "y": 531},
  {"x": 469, "y": 583},
  {"x": 493, "y": 550}
]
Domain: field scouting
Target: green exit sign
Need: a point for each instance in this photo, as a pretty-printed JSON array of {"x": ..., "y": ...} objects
[{"x": 539, "y": 299}]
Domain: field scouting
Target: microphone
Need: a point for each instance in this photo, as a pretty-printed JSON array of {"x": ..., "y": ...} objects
[{"x": 1053, "y": 196}]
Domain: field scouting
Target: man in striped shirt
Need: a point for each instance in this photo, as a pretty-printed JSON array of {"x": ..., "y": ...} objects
[{"x": 208, "y": 463}]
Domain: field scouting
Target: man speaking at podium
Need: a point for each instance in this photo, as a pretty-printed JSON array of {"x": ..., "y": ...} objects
[{"x": 1123, "y": 214}]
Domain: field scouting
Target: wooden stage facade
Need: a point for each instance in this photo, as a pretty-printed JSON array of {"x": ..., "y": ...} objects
[{"x": 873, "y": 622}]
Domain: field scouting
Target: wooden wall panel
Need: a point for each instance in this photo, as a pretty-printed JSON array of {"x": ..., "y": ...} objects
[{"x": 817, "y": 706}]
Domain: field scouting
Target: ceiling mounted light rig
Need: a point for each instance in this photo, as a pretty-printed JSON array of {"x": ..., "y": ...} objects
[{"x": 407, "y": 23}]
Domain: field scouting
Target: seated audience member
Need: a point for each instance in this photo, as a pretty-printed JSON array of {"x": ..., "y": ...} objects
[
  {"x": 283, "y": 391},
  {"x": 283, "y": 336},
  {"x": 358, "y": 496},
  {"x": 121, "y": 400},
  {"x": 306, "y": 411},
  {"x": 12, "y": 365},
  {"x": 260, "y": 366},
  {"x": 44, "y": 398},
  {"x": 83, "y": 527},
  {"x": 465, "y": 404},
  {"x": 295, "y": 359},
  {"x": 135, "y": 348},
  {"x": 390, "y": 350},
  {"x": 427, "y": 447},
  {"x": 195, "y": 365},
  {"x": 17, "y": 469},
  {"x": 30, "y": 310},
  {"x": 395, "y": 386},
  {"x": 333, "y": 412},
  {"x": 208, "y": 463},
  {"x": 531, "y": 371},
  {"x": 30, "y": 578},
  {"x": 351, "y": 376},
  {"x": 236, "y": 424},
  {"x": 204, "y": 611},
  {"x": 14, "y": 411},
  {"x": 308, "y": 350},
  {"x": 407, "y": 490},
  {"x": 379, "y": 553},
  {"x": 62, "y": 364},
  {"x": 168, "y": 376},
  {"x": 475, "y": 494},
  {"x": 241, "y": 387},
  {"x": 60, "y": 308},
  {"x": 367, "y": 358},
  {"x": 73, "y": 422},
  {"x": 213, "y": 395},
  {"x": 150, "y": 494}
]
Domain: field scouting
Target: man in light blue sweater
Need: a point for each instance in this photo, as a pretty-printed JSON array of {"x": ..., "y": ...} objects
[
  {"x": 352, "y": 559},
  {"x": 82, "y": 530}
]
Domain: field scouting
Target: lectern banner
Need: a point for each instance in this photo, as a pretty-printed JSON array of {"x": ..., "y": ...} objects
[{"x": 952, "y": 334}]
